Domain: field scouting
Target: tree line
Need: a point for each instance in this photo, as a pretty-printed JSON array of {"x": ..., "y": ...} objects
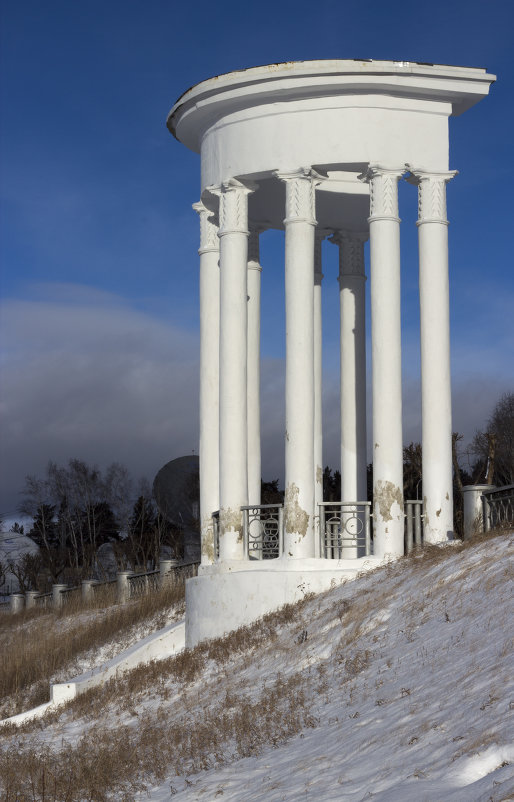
[
  {"x": 489, "y": 459},
  {"x": 76, "y": 509}
]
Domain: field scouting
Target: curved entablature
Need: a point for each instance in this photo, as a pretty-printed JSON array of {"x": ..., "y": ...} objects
[
  {"x": 205, "y": 103},
  {"x": 337, "y": 114}
]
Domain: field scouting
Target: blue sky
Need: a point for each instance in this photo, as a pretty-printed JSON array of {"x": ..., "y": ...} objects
[{"x": 99, "y": 317}]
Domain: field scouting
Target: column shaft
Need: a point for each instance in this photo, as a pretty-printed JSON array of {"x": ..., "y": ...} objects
[
  {"x": 233, "y": 236},
  {"x": 299, "y": 446},
  {"x": 254, "y": 370},
  {"x": 384, "y": 223},
  {"x": 318, "y": 389},
  {"x": 209, "y": 378},
  {"x": 435, "y": 356},
  {"x": 352, "y": 285}
]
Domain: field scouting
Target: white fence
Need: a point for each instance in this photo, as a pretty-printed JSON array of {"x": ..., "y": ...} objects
[{"x": 127, "y": 585}]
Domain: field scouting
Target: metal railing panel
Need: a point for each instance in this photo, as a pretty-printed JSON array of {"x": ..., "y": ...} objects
[
  {"x": 345, "y": 529},
  {"x": 139, "y": 584},
  {"x": 413, "y": 523},
  {"x": 216, "y": 533},
  {"x": 70, "y": 594},
  {"x": 498, "y": 507},
  {"x": 263, "y": 536},
  {"x": 43, "y": 600}
]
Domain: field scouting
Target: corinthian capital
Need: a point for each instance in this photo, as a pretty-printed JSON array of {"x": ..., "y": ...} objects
[
  {"x": 300, "y": 194},
  {"x": 431, "y": 194},
  {"x": 208, "y": 229},
  {"x": 383, "y": 191},
  {"x": 234, "y": 206}
]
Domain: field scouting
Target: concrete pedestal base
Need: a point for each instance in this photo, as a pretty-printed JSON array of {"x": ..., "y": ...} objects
[{"x": 224, "y": 597}]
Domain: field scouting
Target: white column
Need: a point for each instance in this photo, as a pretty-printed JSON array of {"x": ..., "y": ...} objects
[
  {"x": 352, "y": 286},
  {"x": 318, "y": 386},
  {"x": 233, "y": 234},
  {"x": 209, "y": 377},
  {"x": 299, "y": 446},
  {"x": 254, "y": 369},
  {"x": 436, "y": 400},
  {"x": 384, "y": 229}
]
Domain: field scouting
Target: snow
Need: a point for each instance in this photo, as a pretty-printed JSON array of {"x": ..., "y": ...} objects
[
  {"x": 95, "y": 658},
  {"x": 13, "y": 545},
  {"x": 407, "y": 675}
]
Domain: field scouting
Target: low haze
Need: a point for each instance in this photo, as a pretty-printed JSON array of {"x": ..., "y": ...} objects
[{"x": 99, "y": 308}]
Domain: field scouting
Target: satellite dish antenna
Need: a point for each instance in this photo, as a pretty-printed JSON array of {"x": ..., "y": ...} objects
[{"x": 176, "y": 489}]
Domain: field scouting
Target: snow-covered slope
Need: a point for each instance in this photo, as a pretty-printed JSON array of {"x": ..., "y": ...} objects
[{"x": 397, "y": 686}]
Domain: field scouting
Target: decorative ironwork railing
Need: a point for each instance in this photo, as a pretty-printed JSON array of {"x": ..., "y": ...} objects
[
  {"x": 186, "y": 570},
  {"x": 498, "y": 507},
  {"x": 43, "y": 600},
  {"x": 413, "y": 524},
  {"x": 70, "y": 594},
  {"x": 216, "y": 533},
  {"x": 139, "y": 584},
  {"x": 99, "y": 587},
  {"x": 263, "y": 531},
  {"x": 345, "y": 529}
]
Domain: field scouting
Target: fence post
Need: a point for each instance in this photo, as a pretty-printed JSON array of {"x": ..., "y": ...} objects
[
  {"x": 473, "y": 510},
  {"x": 57, "y": 600},
  {"x": 322, "y": 539},
  {"x": 410, "y": 529},
  {"x": 17, "y": 602},
  {"x": 167, "y": 572},
  {"x": 245, "y": 534},
  {"x": 87, "y": 589},
  {"x": 417, "y": 524},
  {"x": 368, "y": 528},
  {"x": 30, "y": 598},
  {"x": 122, "y": 579}
]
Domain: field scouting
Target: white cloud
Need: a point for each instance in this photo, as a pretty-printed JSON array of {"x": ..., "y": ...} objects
[{"x": 86, "y": 376}]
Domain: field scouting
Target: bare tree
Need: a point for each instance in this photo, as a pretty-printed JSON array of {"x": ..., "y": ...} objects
[
  {"x": 27, "y": 570},
  {"x": 493, "y": 448},
  {"x": 412, "y": 474},
  {"x": 79, "y": 500}
]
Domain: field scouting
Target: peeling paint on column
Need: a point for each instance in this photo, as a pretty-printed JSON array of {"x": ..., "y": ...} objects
[
  {"x": 426, "y": 523},
  {"x": 319, "y": 475},
  {"x": 232, "y": 520},
  {"x": 208, "y": 545},
  {"x": 387, "y": 494},
  {"x": 297, "y": 520}
]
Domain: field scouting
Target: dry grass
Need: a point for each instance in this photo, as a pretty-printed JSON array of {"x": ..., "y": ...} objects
[
  {"x": 120, "y": 760},
  {"x": 104, "y": 596},
  {"x": 184, "y": 668},
  {"x": 38, "y": 644}
]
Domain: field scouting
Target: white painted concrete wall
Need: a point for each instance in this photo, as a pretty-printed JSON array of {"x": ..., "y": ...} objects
[
  {"x": 233, "y": 594},
  {"x": 161, "y": 644}
]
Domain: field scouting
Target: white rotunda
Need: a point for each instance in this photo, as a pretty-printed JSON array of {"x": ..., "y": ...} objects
[{"x": 316, "y": 149}]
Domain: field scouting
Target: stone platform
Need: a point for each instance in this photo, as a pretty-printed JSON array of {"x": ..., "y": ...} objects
[{"x": 227, "y": 595}]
